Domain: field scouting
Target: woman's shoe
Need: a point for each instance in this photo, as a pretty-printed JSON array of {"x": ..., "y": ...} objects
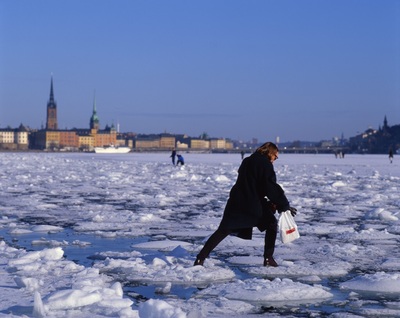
[
  {"x": 198, "y": 261},
  {"x": 269, "y": 261}
]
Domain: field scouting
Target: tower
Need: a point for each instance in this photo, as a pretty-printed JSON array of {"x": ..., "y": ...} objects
[
  {"x": 94, "y": 120},
  {"x": 51, "y": 122},
  {"x": 385, "y": 123}
]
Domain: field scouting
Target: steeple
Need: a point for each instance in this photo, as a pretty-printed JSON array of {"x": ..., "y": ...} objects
[
  {"x": 385, "y": 123},
  {"x": 94, "y": 120},
  {"x": 51, "y": 100},
  {"x": 51, "y": 122}
]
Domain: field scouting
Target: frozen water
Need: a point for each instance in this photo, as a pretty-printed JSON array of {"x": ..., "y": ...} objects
[{"x": 116, "y": 236}]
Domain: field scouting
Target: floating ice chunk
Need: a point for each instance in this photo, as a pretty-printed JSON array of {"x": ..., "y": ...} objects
[
  {"x": 67, "y": 299},
  {"x": 383, "y": 214},
  {"x": 29, "y": 283},
  {"x": 379, "y": 282},
  {"x": 116, "y": 304},
  {"x": 215, "y": 307},
  {"x": 45, "y": 255},
  {"x": 154, "y": 308},
  {"x": 81, "y": 243},
  {"x": 338, "y": 184},
  {"x": 46, "y": 228},
  {"x": 177, "y": 271},
  {"x": 194, "y": 178},
  {"x": 38, "y": 308},
  {"x": 46, "y": 242},
  {"x": 165, "y": 289},
  {"x": 334, "y": 268},
  {"x": 311, "y": 279},
  {"x": 392, "y": 264},
  {"x": 161, "y": 245},
  {"x": 179, "y": 174},
  {"x": 388, "y": 216},
  {"x": 385, "y": 312},
  {"x": 372, "y": 234},
  {"x": 157, "y": 262},
  {"x": 52, "y": 254},
  {"x": 262, "y": 290},
  {"x": 117, "y": 287},
  {"x": 20, "y": 231},
  {"x": 4, "y": 248},
  {"x": 150, "y": 217},
  {"x": 98, "y": 218},
  {"x": 222, "y": 179}
]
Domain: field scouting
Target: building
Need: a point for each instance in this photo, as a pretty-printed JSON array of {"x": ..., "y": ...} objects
[
  {"x": 199, "y": 144},
  {"x": 83, "y": 139},
  {"x": 51, "y": 121},
  {"x": 167, "y": 141},
  {"x": 14, "y": 139},
  {"x": 147, "y": 142},
  {"x": 94, "y": 119},
  {"x": 221, "y": 143}
]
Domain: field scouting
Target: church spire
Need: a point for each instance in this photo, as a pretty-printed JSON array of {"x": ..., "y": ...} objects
[
  {"x": 94, "y": 103},
  {"x": 51, "y": 100},
  {"x": 385, "y": 123},
  {"x": 94, "y": 120},
  {"x": 51, "y": 122}
]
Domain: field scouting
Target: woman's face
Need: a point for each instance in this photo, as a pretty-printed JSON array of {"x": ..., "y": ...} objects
[{"x": 274, "y": 156}]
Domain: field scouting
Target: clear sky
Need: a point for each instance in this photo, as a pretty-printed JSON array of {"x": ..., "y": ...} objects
[{"x": 297, "y": 69}]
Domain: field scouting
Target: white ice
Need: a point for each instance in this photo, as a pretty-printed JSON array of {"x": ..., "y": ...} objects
[{"x": 345, "y": 264}]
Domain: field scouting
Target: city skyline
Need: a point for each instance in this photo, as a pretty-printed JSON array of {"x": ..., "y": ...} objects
[
  {"x": 305, "y": 70},
  {"x": 94, "y": 122}
]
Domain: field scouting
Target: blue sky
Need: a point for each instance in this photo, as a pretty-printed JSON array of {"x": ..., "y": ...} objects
[{"x": 297, "y": 69}]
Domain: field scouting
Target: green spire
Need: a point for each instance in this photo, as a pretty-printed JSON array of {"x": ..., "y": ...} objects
[{"x": 94, "y": 120}]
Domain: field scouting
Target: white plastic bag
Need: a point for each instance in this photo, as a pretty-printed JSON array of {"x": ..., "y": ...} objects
[{"x": 288, "y": 227}]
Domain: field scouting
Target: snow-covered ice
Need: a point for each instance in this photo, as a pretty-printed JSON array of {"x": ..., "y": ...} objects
[{"x": 86, "y": 235}]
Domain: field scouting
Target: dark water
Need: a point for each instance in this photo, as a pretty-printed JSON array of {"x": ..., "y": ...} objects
[{"x": 82, "y": 255}]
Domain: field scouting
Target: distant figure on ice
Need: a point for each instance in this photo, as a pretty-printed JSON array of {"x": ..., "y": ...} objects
[
  {"x": 252, "y": 202},
  {"x": 173, "y": 155},
  {"x": 180, "y": 160},
  {"x": 242, "y": 154},
  {"x": 391, "y": 155}
]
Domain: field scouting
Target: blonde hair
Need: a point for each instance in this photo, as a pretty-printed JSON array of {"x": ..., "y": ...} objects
[{"x": 268, "y": 149}]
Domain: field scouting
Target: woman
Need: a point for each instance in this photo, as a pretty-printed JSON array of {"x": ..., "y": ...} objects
[{"x": 252, "y": 202}]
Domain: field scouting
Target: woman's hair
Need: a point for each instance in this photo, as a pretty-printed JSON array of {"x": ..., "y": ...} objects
[{"x": 268, "y": 149}]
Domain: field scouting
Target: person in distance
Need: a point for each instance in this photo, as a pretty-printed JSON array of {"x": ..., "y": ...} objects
[
  {"x": 180, "y": 161},
  {"x": 173, "y": 155},
  {"x": 252, "y": 202}
]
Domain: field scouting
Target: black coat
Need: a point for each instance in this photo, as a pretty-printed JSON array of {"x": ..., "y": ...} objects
[{"x": 247, "y": 203}]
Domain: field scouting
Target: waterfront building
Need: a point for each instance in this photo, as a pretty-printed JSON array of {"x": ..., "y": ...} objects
[
  {"x": 167, "y": 141},
  {"x": 85, "y": 139},
  {"x": 220, "y": 143},
  {"x": 14, "y": 139},
  {"x": 7, "y": 136},
  {"x": 199, "y": 144},
  {"x": 147, "y": 142},
  {"x": 69, "y": 140}
]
